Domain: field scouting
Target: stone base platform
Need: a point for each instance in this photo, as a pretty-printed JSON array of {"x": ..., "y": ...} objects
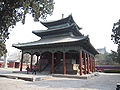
[
  {"x": 87, "y": 76},
  {"x": 39, "y": 77},
  {"x": 26, "y": 77}
]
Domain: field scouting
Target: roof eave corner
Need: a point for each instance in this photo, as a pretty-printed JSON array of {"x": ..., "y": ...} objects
[{"x": 16, "y": 46}]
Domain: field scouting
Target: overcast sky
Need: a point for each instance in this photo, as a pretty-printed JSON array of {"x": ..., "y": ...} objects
[{"x": 96, "y": 17}]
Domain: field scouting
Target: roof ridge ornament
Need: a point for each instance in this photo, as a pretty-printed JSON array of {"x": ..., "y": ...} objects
[{"x": 62, "y": 16}]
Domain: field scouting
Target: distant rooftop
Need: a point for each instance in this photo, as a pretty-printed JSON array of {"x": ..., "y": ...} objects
[{"x": 102, "y": 50}]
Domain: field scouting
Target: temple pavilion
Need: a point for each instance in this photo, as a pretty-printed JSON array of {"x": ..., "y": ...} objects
[{"x": 61, "y": 49}]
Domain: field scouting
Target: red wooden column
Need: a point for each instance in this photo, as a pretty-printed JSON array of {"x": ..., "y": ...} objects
[
  {"x": 85, "y": 72},
  {"x": 40, "y": 62},
  {"x": 37, "y": 59},
  {"x": 94, "y": 64},
  {"x": 64, "y": 63},
  {"x": 52, "y": 62},
  {"x": 88, "y": 65},
  {"x": 80, "y": 62},
  {"x": 31, "y": 63},
  {"x": 21, "y": 63}
]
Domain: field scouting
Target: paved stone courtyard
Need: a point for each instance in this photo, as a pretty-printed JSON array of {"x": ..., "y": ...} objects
[{"x": 106, "y": 81}]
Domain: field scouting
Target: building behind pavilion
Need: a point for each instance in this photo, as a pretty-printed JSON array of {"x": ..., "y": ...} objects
[{"x": 62, "y": 49}]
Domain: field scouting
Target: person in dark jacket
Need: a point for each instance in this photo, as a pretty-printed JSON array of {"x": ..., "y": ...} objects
[{"x": 27, "y": 69}]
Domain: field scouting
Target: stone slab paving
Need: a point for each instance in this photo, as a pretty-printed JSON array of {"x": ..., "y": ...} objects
[
  {"x": 16, "y": 74},
  {"x": 106, "y": 81}
]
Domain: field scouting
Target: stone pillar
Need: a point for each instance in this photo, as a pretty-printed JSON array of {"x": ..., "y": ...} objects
[
  {"x": 31, "y": 63},
  {"x": 64, "y": 63},
  {"x": 80, "y": 62},
  {"x": 85, "y": 72},
  {"x": 21, "y": 63},
  {"x": 52, "y": 62}
]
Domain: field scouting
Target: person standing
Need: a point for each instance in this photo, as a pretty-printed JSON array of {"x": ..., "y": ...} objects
[{"x": 27, "y": 69}]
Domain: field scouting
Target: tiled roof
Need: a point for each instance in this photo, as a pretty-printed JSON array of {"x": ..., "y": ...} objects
[{"x": 62, "y": 39}]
